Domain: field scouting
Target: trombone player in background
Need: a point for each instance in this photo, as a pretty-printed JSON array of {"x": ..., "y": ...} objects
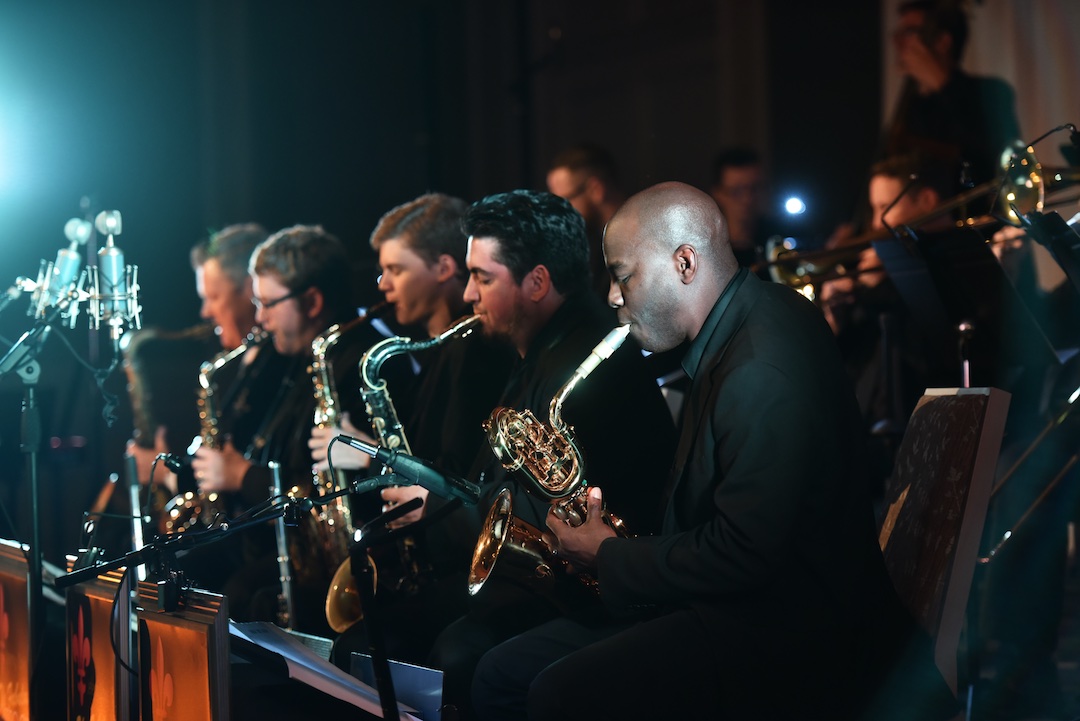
[
  {"x": 765, "y": 594},
  {"x": 883, "y": 349}
]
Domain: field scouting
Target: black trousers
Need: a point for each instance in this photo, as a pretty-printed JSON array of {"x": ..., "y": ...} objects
[
  {"x": 677, "y": 665},
  {"x": 566, "y": 670}
]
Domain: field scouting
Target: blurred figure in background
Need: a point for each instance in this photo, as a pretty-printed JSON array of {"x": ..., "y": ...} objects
[
  {"x": 883, "y": 348},
  {"x": 739, "y": 188},
  {"x": 943, "y": 111},
  {"x": 586, "y": 177}
]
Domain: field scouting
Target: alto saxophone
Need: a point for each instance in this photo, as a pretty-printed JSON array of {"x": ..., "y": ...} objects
[
  {"x": 343, "y": 601},
  {"x": 196, "y": 508},
  {"x": 551, "y": 460}
]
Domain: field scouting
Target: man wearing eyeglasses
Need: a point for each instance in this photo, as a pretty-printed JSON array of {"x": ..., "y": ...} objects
[{"x": 301, "y": 285}]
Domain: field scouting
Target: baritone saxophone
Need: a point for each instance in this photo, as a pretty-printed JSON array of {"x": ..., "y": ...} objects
[{"x": 548, "y": 456}]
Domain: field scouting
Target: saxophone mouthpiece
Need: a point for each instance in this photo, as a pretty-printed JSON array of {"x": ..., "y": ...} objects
[{"x": 603, "y": 350}]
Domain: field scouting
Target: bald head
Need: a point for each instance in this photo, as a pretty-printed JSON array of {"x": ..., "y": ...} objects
[{"x": 668, "y": 253}]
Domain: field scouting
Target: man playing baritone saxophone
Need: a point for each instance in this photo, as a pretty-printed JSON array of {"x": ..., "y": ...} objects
[
  {"x": 422, "y": 257},
  {"x": 300, "y": 286},
  {"x": 765, "y": 595},
  {"x": 528, "y": 261}
]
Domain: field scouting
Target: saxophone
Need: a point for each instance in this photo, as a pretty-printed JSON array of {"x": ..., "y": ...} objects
[
  {"x": 343, "y": 600},
  {"x": 327, "y": 531},
  {"x": 195, "y": 508},
  {"x": 551, "y": 460}
]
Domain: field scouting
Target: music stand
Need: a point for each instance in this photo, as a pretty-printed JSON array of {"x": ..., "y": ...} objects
[
  {"x": 14, "y": 631},
  {"x": 183, "y": 655},
  {"x": 951, "y": 278},
  {"x": 98, "y": 687}
]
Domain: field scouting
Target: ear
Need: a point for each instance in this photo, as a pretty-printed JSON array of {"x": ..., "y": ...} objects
[
  {"x": 446, "y": 268},
  {"x": 685, "y": 260},
  {"x": 537, "y": 283},
  {"x": 314, "y": 302},
  {"x": 594, "y": 190}
]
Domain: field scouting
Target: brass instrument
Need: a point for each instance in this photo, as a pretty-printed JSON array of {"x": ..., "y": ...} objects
[
  {"x": 550, "y": 458},
  {"x": 343, "y": 600},
  {"x": 195, "y": 508},
  {"x": 1022, "y": 185},
  {"x": 326, "y": 531}
]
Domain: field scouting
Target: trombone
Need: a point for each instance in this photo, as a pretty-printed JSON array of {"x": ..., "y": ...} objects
[{"x": 1020, "y": 189}]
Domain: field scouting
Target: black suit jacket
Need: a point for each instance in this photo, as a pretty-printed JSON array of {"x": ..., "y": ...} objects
[{"x": 768, "y": 531}]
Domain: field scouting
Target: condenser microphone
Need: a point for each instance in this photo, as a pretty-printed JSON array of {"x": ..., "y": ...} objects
[
  {"x": 114, "y": 299},
  {"x": 59, "y": 282},
  {"x": 415, "y": 471}
]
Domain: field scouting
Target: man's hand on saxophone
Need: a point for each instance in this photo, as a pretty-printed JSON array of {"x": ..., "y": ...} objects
[
  {"x": 346, "y": 458},
  {"x": 220, "y": 470},
  {"x": 580, "y": 544},
  {"x": 396, "y": 495}
]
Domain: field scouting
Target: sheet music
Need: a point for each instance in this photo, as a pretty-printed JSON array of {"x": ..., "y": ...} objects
[{"x": 307, "y": 667}]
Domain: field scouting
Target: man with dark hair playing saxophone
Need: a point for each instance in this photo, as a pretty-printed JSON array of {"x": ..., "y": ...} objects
[{"x": 529, "y": 281}]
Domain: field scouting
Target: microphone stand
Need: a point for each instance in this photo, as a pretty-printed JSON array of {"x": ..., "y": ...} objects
[
  {"x": 375, "y": 533},
  {"x": 21, "y": 358}
]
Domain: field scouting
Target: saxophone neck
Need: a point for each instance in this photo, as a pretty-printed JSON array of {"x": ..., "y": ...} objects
[
  {"x": 372, "y": 361},
  {"x": 603, "y": 350}
]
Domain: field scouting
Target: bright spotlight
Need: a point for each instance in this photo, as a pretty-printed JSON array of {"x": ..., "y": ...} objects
[{"x": 794, "y": 206}]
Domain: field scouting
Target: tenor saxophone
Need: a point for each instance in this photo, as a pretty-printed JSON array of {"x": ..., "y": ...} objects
[
  {"x": 196, "y": 508},
  {"x": 548, "y": 456},
  {"x": 343, "y": 600}
]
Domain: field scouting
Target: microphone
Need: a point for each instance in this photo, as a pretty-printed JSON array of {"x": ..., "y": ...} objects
[
  {"x": 59, "y": 283},
  {"x": 114, "y": 294},
  {"x": 415, "y": 471}
]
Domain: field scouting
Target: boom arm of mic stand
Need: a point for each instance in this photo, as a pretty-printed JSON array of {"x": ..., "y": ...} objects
[{"x": 166, "y": 546}]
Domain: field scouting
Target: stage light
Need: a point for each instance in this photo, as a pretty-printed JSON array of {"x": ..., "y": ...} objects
[{"x": 794, "y": 206}]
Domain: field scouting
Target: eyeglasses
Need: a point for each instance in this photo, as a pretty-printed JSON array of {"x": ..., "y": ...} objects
[{"x": 268, "y": 304}]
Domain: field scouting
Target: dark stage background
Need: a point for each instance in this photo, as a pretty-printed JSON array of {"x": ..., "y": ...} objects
[{"x": 188, "y": 116}]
